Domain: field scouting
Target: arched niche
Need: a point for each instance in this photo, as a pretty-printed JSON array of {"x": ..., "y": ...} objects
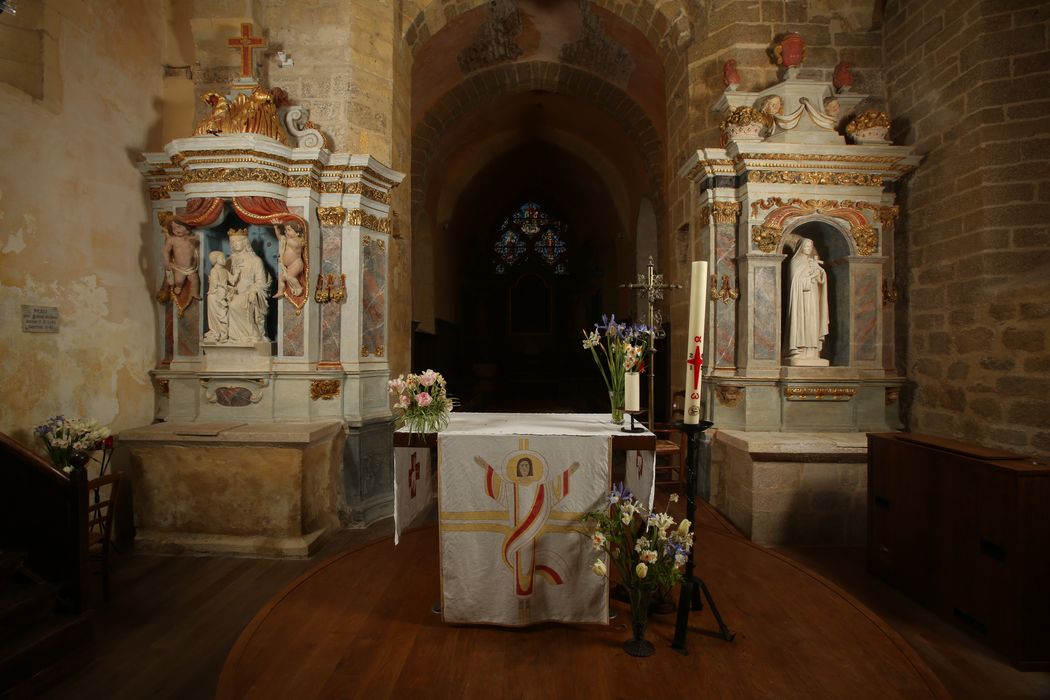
[{"x": 834, "y": 247}]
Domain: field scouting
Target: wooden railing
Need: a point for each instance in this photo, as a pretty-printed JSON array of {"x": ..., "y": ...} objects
[{"x": 44, "y": 516}]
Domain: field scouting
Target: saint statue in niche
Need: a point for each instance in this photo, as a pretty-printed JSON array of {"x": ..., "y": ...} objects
[
  {"x": 219, "y": 292},
  {"x": 250, "y": 285},
  {"x": 807, "y": 317},
  {"x": 290, "y": 257}
]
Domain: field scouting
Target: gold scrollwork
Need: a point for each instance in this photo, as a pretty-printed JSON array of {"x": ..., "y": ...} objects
[
  {"x": 727, "y": 293},
  {"x": 793, "y": 177},
  {"x": 729, "y": 396},
  {"x": 364, "y": 351},
  {"x": 366, "y": 191},
  {"x": 324, "y": 389},
  {"x": 766, "y": 238},
  {"x": 726, "y": 212},
  {"x": 379, "y": 351},
  {"x": 357, "y": 217},
  {"x": 819, "y": 393},
  {"x": 866, "y": 238},
  {"x": 331, "y": 216}
]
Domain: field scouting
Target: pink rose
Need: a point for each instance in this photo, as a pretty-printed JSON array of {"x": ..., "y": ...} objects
[
  {"x": 428, "y": 378},
  {"x": 423, "y": 399},
  {"x": 404, "y": 401}
]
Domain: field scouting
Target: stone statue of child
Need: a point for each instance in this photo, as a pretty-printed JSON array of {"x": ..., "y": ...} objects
[
  {"x": 219, "y": 293},
  {"x": 180, "y": 259},
  {"x": 290, "y": 257}
]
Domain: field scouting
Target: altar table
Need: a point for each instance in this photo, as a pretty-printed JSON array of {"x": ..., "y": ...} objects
[{"x": 511, "y": 490}]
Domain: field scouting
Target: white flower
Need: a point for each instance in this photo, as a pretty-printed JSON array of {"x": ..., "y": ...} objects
[
  {"x": 598, "y": 539},
  {"x": 642, "y": 543},
  {"x": 680, "y": 558},
  {"x": 641, "y": 570},
  {"x": 648, "y": 556},
  {"x": 599, "y": 568},
  {"x": 591, "y": 341},
  {"x": 673, "y": 498},
  {"x": 662, "y": 521},
  {"x": 683, "y": 528}
]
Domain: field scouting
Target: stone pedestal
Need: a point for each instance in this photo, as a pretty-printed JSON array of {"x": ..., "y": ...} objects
[
  {"x": 249, "y": 357},
  {"x": 792, "y": 488},
  {"x": 259, "y": 489}
]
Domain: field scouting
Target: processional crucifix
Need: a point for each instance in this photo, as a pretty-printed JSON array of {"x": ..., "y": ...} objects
[{"x": 652, "y": 286}]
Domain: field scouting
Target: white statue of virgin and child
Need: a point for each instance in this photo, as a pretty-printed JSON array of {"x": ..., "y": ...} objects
[{"x": 238, "y": 288}]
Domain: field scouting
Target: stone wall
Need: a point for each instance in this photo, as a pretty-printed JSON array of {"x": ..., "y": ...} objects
[
  {"x": 74, "y": 226},
  {"x": 968, "y": 85}
]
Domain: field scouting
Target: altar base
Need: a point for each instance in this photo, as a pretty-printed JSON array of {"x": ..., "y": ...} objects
[
  {"x": 792, "y": 488},
  {"x": 232, "y": 488}
]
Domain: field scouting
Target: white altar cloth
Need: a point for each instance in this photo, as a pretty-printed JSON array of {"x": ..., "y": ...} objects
[{"x": 511, "y": 491}]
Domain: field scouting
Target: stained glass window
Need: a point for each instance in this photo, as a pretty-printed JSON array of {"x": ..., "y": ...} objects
[{"x": 531, "y": 233}]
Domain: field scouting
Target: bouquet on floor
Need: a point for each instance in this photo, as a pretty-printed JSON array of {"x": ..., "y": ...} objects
[
  {"x": 423, "y": 403},
  {"x": 69, "y": 442},
  {"x": 647, "y": 548}
]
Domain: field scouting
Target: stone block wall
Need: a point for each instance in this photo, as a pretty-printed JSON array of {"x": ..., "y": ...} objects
[{"x": 969, "y": 85}]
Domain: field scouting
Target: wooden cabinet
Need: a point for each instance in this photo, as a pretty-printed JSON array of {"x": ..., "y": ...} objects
[{"x": 965, "y": 530}]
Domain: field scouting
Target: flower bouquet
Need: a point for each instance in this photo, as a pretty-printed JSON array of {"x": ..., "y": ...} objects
[
  {"x": 423, "y": 404},
  {"x": 622, "y": 349},
  {"x": 69, "y": 442},
  {"x": 647, "y": 550}
]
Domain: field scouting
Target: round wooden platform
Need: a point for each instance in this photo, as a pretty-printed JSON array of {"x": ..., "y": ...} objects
[{"x": 360, "y": 625}]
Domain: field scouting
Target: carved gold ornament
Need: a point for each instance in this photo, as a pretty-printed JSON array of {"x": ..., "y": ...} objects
[
  {"x": 866, "y": 239},
  {"x": 380, "y": 350},
  {"x": 869, "y": 119},
  {"x": 794, "y": 177},
  {"x": 364, "y": 351},
  {"x": 893, "y": 393},
  {"x": 743, "y": 116},
  {"x": 766, "y": 238},
  {"x": 729, "y": 396},
  {"x": 890, "y": 294},
  {"x": 357, "y": 217},
  {"x": 163, "y": 386},
  {"x": 331, "y": 216},
  {"x": 727, "y": 293},
  {"x": 324, "y": 389},
  {"x": 819, "y": 393},
  {"x": 726, "y": 212},
  {"x": 247, "y": 114}
]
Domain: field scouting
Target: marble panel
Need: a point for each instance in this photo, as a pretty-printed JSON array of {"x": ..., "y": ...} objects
[
  {"x": 293, "y": 345},
  {"x": 866, "y": 296},
  {"x": 331, "y": 264},
  {"x": 330, "y": 329},
  {"x": 725, "y": 314},
  {"x": 169, "y": 333},
  {"x": 189, "y": 331},
  {"x": 373, "y": 296},
  {"x": 764, "y": 316}
]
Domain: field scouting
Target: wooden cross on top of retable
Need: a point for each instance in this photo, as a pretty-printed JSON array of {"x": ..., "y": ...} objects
[{"x": 246, "y": 43}]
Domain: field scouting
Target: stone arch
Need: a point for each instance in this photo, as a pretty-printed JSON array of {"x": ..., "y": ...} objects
[{"x": 514, "y": 78}]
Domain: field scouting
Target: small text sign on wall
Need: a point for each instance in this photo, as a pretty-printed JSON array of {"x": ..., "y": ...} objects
[{"x": 39, "y": 319}]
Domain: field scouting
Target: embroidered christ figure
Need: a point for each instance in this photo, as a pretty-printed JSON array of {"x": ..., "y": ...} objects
[{"x": 529, "y": 500}]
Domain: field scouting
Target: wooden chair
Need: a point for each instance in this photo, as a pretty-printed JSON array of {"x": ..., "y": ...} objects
[
  {"x": 102, "y": 498},
  {"x": 671, "y": 446}
]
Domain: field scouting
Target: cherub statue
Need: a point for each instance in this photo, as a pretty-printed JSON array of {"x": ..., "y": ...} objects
[
  {"x": 290, "y": 257},
  {"x": 181, "y": 261},
  {"x": 218, "y": 121}
]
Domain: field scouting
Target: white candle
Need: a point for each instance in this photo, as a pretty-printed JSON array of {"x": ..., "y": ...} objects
[
  {"x": 632, "y": 394},
  {"x": 695, "y": 347}
]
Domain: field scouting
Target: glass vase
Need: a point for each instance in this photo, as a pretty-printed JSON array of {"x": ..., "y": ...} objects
[
  {"x": 616, "y": 406},
  {"x": 638, "y": 645}
]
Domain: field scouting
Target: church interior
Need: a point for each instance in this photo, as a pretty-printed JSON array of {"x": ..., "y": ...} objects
[{"x": 230, "y": 228}]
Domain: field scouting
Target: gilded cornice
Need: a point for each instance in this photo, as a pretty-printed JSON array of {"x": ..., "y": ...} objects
[
  {"x": 358, "y": 217},
  {"x": 726, "y": 212},
  {"x": 331, "y": 216},
  {"x": 836, "y": 157},
  {"x": 767, "y": 236},
  {"x": 806, "y": 177}
]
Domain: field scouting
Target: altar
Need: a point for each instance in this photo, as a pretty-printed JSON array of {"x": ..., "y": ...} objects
[{"x": 511, "y": 491}]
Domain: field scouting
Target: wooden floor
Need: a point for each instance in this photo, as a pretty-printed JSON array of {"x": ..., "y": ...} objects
[{"x": 359, "y": 625}]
